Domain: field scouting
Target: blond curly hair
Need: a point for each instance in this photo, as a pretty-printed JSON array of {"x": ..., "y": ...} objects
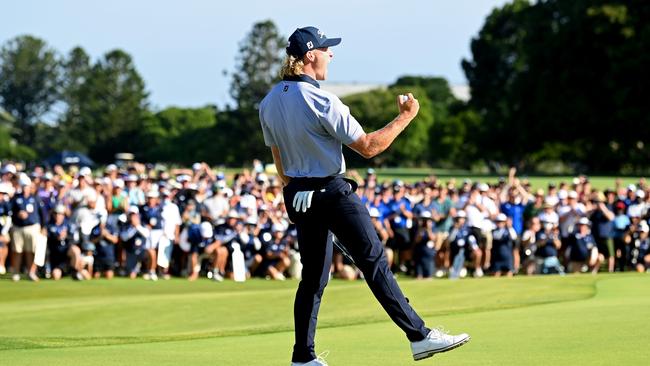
[{"x": 292, "y": 66}]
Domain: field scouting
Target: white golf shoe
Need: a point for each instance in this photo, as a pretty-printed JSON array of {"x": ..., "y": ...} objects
[
  {"x": 313, "y": 362},
  {"x": 437, "y": 341},
  {"x": 320, "y": 361}
]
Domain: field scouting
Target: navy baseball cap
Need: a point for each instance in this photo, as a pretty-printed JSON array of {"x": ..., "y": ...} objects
[{"x": 308, "y": 38}]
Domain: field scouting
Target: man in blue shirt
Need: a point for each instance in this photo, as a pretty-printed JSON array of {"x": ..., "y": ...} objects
[
  {"x": 28, "y": 220},
  {"x": 515, "y": 206},
  {"x": 401, "y": 222},
  {"x": 305, "y": 127}
]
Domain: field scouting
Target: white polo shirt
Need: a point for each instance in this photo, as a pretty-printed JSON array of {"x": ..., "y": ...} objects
[{"x": 309, "y": 127}]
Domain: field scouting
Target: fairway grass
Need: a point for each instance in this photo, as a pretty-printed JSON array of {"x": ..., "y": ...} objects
[{"x": 572, "y": 320}]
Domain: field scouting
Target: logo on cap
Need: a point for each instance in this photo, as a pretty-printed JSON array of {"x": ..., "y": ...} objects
[
  {"x": 310, "y": 45},
  {"x": 320, "y": 33}
]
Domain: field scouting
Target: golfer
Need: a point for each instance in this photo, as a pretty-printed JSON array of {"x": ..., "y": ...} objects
[{"x": 305, "y": 128}]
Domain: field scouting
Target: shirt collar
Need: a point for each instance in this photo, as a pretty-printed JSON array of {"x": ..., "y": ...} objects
[{"x": 304, "y": 78}]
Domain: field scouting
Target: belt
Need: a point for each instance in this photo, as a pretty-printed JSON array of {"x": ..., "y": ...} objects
[
  {"x": 318, "y": 182},
  {"x": 315, "y": 180}
]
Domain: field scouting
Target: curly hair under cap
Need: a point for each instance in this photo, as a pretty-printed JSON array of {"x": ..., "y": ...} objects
[{"x": 292, "y": 66}]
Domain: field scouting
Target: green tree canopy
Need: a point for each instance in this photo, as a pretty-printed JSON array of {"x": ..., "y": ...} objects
[
  {"x": 374, "y": 109},
  {"x": 29, "y": 83},
  {"x": 257, "y": 70},
  {"x": 567, "y": 74},
  {"x": 107, "y": 104}
]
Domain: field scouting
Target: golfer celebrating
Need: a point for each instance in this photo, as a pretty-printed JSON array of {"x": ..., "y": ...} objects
[{"x": 305, "y": 128}]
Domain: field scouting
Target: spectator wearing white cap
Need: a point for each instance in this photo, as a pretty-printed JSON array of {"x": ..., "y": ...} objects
[
  {"x": 83, "y": 189},
  {"x": 503, "y": 246},
  {"x": 547, "y": 243},
  {"x": 133, "y": 191},
  {"x": 548, "y": 213},
  {"x": 216, "y": 207},
  {"x": 641, "y": 248},
  {"x": 228, "y": 232},
  {"x": 463, "y": 247},
  {"x": 569, "y": 214},
  {"x": 8, "y": 172},
  {"x": 28, "y": 221},
  {"x": 401, "y": 222},
  {"x": 118, "y": 203},
  {"x": 5, "y": 224},
  {"x": 637, "y": 207},
  {"x": 105, "y": 236},
  {"x": 602, "y": 216},
  {"x": 425, "y": 246},
  {"x": 583, "y": 249},
  {"x": 172, "y": 222},
  {"x": 151, "y": 215},
  {"x": 111, "y": 171},
  {"x": 276, "y": 254},
  {"x": 47, "y": 192},
  {"x": 380, "y": 229},
  {"x": 481, "y": 210},
  {"x": 251, "y": 246}
]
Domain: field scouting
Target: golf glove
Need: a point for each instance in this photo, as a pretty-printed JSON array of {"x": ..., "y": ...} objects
[{"x": 302, "y": 200}]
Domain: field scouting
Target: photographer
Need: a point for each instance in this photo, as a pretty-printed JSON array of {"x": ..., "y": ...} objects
[
  {"x": 63, "y": 250},
  {"x": 583, "y": 249},
  {"x": 134, "y": 236},
  {"x": 463, "y": 247},
  {"x": 528, "y": 256},
  {"x": 602, "y": 216},
  {"x": 547, "y": 244},
  {"x": 105, "y": 236},
  {"x": 503, "y": 245}
]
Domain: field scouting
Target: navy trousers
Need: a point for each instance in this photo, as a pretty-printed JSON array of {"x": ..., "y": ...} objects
[{"x": 336, "y": 209}]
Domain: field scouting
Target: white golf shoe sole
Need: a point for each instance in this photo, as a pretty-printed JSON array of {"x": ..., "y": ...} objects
[{"x": 430, "y": 353}]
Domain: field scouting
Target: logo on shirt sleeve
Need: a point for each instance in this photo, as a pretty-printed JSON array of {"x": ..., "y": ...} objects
[{"x": 286, "y": 88}]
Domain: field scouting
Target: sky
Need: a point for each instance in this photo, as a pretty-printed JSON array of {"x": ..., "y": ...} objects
[{"x": 186, "y": 49}]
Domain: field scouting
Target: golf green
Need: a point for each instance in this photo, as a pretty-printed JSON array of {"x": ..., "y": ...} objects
[{"x": 571, "y": 320}]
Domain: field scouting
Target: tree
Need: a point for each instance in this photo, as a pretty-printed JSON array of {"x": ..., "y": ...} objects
[
  {"x": 258, "y": 64},
  {"x": 375, "y": 108},
  {"x": 257, "y": 70},
  {"x": 77, "y": 70},
  {"x": 108, "y": 105},
  {"x": 563, "y": 79},
  {"x": 180, "y": 135},
  {"x": 29, "y": 79},
  {"x": 445, "y": 143}
]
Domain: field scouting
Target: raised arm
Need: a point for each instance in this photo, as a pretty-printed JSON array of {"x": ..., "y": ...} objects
[{"x": 374, "y": 143}]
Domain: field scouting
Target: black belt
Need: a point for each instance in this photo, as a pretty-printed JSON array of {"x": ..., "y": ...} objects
[
  {"x": 315, "y": 180},
  {"x": 318, "y": 182}
]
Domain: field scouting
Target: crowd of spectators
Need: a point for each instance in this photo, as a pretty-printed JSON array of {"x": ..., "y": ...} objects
[{"x": 138, "y": 220}]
